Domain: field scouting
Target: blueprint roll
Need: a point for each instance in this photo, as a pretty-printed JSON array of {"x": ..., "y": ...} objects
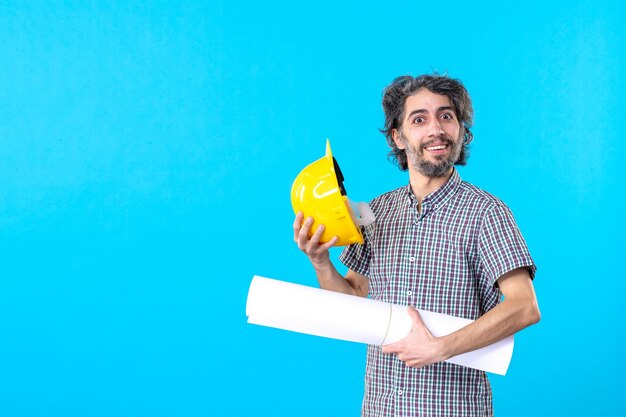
[{"x": 324, "y": 313}]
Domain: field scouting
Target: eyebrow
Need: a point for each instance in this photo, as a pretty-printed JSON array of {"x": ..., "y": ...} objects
[{"x": 439, "y": 110}]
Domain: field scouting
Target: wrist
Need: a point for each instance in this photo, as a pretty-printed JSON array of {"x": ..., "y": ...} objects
[
  {"x": 444, "y": 347},
  {"x": 321, "y": 265}
]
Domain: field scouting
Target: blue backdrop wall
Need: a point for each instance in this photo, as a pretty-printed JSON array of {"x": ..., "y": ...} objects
[{"x": 147, "y": 151}]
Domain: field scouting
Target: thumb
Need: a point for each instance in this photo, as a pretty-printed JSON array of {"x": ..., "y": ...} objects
[{"x": 417, "y": 319}]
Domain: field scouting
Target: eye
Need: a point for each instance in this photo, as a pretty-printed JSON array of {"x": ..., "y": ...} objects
[
  {"x": 418, "y": 119},
  {"x": 447, "y": 116}
]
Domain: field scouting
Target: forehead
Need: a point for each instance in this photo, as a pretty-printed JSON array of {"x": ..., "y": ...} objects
[{"x": 424, "y": 99}]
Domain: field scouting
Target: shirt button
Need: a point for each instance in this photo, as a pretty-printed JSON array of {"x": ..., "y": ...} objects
[
  {"x": 409, "y": 292},
  {"x": 400, "y": 392},
  {"x": 412, "y": 259}
]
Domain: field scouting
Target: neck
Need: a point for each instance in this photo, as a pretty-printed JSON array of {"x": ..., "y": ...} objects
[{"x": 422, "y": 185}]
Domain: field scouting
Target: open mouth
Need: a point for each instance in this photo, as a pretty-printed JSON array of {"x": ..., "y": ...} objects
[{"x": 438, "y": 149}]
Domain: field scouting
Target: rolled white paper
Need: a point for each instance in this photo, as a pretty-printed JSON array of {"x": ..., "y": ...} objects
[{"x": 319, "y": 312}]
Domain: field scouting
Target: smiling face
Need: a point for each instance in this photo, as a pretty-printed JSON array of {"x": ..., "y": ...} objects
[{"x": 430, "y": 133}]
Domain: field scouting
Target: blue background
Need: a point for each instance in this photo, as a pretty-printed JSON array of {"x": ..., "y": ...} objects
[{"x": 147, "y": 151}]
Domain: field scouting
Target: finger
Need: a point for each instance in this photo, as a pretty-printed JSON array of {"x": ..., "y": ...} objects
[
  {"x": 414, "y": 364},
  {"x": 330, "y": 243},
  {"x": 297, "y": 225},
  {"x": 415, "y": 316},
  {"x": 390, "y": 348},
  {"x": 418, "y": 323},
  {"x": 303, "y": 234},
  {"x": 315, "y": 239}
]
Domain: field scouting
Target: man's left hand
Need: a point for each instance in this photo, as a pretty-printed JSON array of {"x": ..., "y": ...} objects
[{"x": 419, "y": 348}]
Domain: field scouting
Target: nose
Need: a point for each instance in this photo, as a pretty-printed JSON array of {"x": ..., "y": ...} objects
[{"x": 434, "y": 128}]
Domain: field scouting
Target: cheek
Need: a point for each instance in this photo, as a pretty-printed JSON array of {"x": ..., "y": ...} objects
[{"x": 454, "y": 132}]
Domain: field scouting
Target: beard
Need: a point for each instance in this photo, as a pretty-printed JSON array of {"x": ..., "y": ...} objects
[{"x": 415, "y": 157}]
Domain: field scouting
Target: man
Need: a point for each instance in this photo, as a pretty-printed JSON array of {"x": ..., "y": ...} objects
[{"x": 438, "y": 244}]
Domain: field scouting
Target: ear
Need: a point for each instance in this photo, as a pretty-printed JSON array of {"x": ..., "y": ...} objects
[
  {"x": 467, "y": 136},
  {"x": 395, "y": 134}
]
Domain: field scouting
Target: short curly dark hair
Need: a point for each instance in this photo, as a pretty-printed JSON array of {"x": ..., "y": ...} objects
[{"x": 396, "y": 93}]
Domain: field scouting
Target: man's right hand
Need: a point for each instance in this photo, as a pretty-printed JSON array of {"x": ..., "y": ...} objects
[
  {"x": 316, "y": 251},
  {"x": 327, "y": 275}
]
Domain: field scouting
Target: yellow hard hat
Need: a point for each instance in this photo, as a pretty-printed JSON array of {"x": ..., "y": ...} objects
[{"x": 318, "y": 192}]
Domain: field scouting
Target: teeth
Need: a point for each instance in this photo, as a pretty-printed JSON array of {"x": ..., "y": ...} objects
[{"x": 436, "y": 148}]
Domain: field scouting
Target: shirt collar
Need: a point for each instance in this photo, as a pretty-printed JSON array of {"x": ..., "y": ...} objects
[{"x": 440, "y": 196}]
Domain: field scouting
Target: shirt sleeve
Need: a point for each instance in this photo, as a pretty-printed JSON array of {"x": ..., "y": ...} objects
[
  {"x": 357, "y": 257},
  {"x": 501, "y": 247}
]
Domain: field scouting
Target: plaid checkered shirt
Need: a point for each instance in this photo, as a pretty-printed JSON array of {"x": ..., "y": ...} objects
[{"x": 447, "y": 259}]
